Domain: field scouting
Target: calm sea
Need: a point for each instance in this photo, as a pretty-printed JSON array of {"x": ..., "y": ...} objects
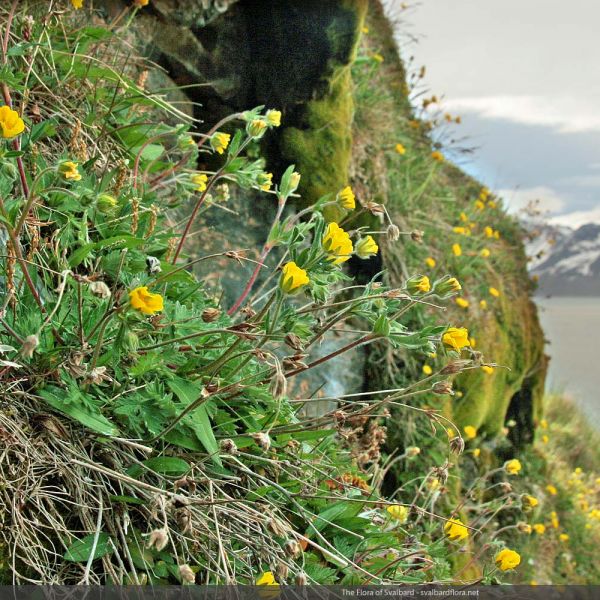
[{"x": 572, "y": 327}]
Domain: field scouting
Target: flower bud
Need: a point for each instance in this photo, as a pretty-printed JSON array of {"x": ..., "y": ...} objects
[
  {"x": 292, "y": 548},
  {"x": 366, "y": 247},
  {"x": 524, "y": 527},
  {"x": 301, "y": 578},
  {"x": 228, "y": 446},
  {"x": 417, "y": 236},
  {"x": 187, "y": 575},
  {"x": 100, "y": 290},
  {"x": 293, "y": 341},
  {"x": 30, "y": 343},
  {"x": 457, "y": 445},
  {"x": 455, "y": 366},
  {"x": 446, "y": 285},
  {"x": 443, "y": 388},
  {"x": 282, "y": 571},
  {"x": 418, "y": 285},
  {"x": 278, "y": 385},
  {"x": 209, "y": 315},
  {"x": 262, "y": 439},
  {"x": 131, "y": 341},
  {"x": 393, "y": 232},
  {"x": 413, "y": 451},
  {"x": 158, "y": 539},
  {"x": 106, "y": 203},
  {"x": 256, "y": 128}
]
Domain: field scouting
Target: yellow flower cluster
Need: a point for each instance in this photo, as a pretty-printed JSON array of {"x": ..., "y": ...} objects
[{"x": 337, "y": 244}]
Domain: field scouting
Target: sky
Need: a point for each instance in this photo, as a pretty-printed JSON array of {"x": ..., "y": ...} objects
[{"x": 525, "y": 77}]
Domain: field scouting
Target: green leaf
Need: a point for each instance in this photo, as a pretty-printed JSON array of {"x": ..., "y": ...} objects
[
  {"x": 165, "y": 465},
  {"x": 71, "y": 402},
  {"x": 200, "y": 422},
  {"x": 81, "y": 550}
]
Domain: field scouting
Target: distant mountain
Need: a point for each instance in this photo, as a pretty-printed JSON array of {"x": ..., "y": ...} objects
[{"x": 567, "y": 261}]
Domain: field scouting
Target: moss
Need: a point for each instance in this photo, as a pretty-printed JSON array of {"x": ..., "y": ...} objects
[
  {"x": 320, "y": 141},
  {"x": 321, "y": 149}
]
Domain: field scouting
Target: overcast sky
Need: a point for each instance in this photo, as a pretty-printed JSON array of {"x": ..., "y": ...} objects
[{"x": 525, "y": 77}]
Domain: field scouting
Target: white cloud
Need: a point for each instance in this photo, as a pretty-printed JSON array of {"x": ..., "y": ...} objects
[
  {"x": 518, "y": 198},
  {"x": 577, "y": 218},
  {"x": 566, "y": 114}
]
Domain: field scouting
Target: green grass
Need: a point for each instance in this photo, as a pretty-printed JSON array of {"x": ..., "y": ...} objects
[{"x": 570, "y": 461}]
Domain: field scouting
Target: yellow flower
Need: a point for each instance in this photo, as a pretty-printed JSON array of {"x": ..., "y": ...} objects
[
  {"x": 219, "y": 142},
  {"x": 141, "y": 3},
  {"x": 455, "y": 530},
  {"x": 470, "y": 432},
  {"x": 479, "y": 205},
  {"x": 487, "y": 369},
  {"x": 430, "y": 262},
  {"x": 491, "y": 204},
  {"x": 418, "y": 285},
  {"x": 273, "y": 118},
  {"x": 398, "y": 512},
  {"x": 445, "y": 286},
  {"x": 456, "y": 249},
  {"x": 456, "y": 338},
  {"x": 463, "y": 217},
  {"x": 554, "y": 520},
  {"x": 427, "y": 370},
  {"x": 461, "y": 230},
  {"x": 144, "y": 301},
  {"x": 365, "y": 29},
  {"x": 267, "y": 578},
  {"x": 378, "y": 58},
  {"x": 77, "y": 4},
  {"x": 462, "y": 302},
  {"x": 545, "y": 439},
  {"x": 400, "y": 149},
  {"x": 366, "y": 247},
  {"x": 507, "y": 559},
  {"x": 265, "y": 181},
  {"x": 199, "y": 180},
  {"x": 497, "y": 235},
  {"x": 483, "y": 304},
  {"x": 337, "y": 244},
  {"x": 529, "y": 501},
  {"x": 551, "y": 490},
  {"x": 544, "y": 424},
  {"x": 346, "y": 198},
  {"x": 476, "y": 452},
  {"x": 485, "y": 253},
  {"x": 489, "y": 232},
  {"x": 437, "y": 155},
  {"x": 257, "y": 127},
  {"x": 68, "y": 170},
  {"x": 563, "y": 537},
  {"x": 293, "y": 278},
  {"x": 539, "y": 528},
  {"x": 512, "y": 467},
  {"x": 494, "y": 292},
  {"x": 472, "y": 342}
]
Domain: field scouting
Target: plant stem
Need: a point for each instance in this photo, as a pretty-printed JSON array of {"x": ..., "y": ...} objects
[{"x": 263, "y": 255}]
